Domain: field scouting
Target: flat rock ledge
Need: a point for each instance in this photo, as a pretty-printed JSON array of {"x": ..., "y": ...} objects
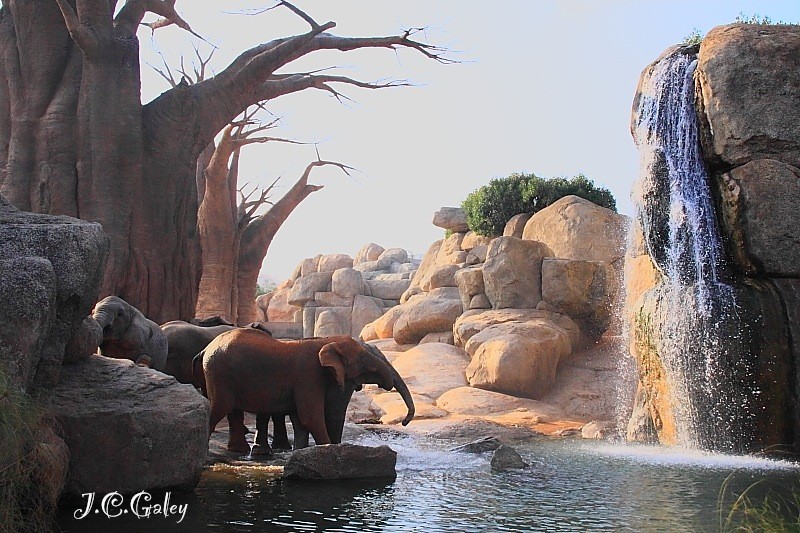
[{"x": 341, "y": 461}]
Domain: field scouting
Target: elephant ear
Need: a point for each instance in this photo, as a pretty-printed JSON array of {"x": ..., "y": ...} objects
[{"x": 330, "y": 357}]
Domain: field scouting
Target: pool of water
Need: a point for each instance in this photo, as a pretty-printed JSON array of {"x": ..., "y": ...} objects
[{"x": 570, "y": 486}]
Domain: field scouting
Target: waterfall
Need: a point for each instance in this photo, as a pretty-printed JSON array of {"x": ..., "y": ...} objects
[{"x": 699, "y": 332}]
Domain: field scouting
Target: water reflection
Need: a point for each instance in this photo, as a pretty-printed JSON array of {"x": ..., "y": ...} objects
[{"x": 569, "y": 487}]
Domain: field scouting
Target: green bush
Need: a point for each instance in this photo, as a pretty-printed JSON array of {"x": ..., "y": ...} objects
[{"x": 490, "y": 207}]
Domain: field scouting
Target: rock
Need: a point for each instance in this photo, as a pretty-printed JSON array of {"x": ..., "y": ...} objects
[
  {"x": 450, "y": 247},
  {"x": 482, "y": 445},
  {"x": 368, "y": 333},
  {"x": 365, "y": 311},
  {"x": 69, "y": 286},
  {"x": 388, "y": 346},
  {"x": 341, "y": 461},
  {"x": 129, "y": 428},
  {"x": 748, "y": 75},
  {"x": 395, "y": 409},
  {"x": 84, "y": 342},
  {"x": 641, "y": 275},
  {"x": 381, "y": 265},
  {"x": 332, "y": 321},
  {"x": 347, "y": 282},
  {"x": 309, "y": 319},
  {"x": 394, "y": 255},
  {"x": 512, "y": 272},
  {"x": 473, "y": 322},
  {"x": 472, "y": 239},
  {"x": 279, "y": 308},
  {"x": 584, "y": 290},
  {"x": 472, "y": 401},
  {"x": 306, "y": 287},
  {"x": 532, "y": 327},
  {"x": 443, "y": 276},
  {"x": 368, "y": 252},
  {"x": 428, "y": 260},
  {"x": 331, "y": 299},
  {"x": 574, "y": 228},
  {"x": 470, "y": 283},
  {"x": 432, "y": 369},
  {"x": 480, "y": 301},
  {"x": 472, "y": 428},
  {"x": 640, "y": 425},
  {"x": 333, "y": 262},
  {"x": 451, "y": 218},
  {"x": 309, "y": 265},
  {"x": 519, "y": 365},
  {"x": 362, "y": 410},
  {"x": 598, "y": 430},
  {"x": 262, "y": 304},
  {"x": 444, "y": 337},
  {"x": 760, "y": 217},
  {"x": 477, "y": 254},
  {"x": 387, "y": 290},
  {"x": 516, "y": 225},
  {"x": 437, "y": 311},
  {"x": 384, "y": 326},
  {"x": 506, "y": 458}
]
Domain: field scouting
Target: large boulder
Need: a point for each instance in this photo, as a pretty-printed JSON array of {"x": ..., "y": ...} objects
[
  {"x": 76, "y": 252},
  {"x": 515, "y": 226},
  {"x": 129, "y": 428},
  {"x": 307, "y": 286},
  {"x": 384, "y": 326},
  {"x": 470, "y": 284},
  {"x": 387, "y": 289},
  {"x": 574, "y": 228},
  {"x": 519, "y": 364},
  {"x": 365, "y": 311},
  {"x": 749, "y": 76},
  {"x": 760, "y": 217},
  {"x": 432, "y": 369},
  {"x": 473, "y": 322},
  {"x": 332, "y": 321},
  {"x": 347, "y": 282},
  {"x": 436, "y": 311},
  {"x": 262, "y": 305},
  {"x": 279, "y": 308},
  {"x": 368, "y": 252},
  {"x": 394, "y": 255},
  {"x": 472, "y": 239},
  {"x": 341, "y": 461},
  {"x": 428, "y": 261},
  {"x": 479, "y": 402},
  {"x": 451, "y": 218},
  {"x": 333, "y": 262},
  {"x": 512, "y": 273}
]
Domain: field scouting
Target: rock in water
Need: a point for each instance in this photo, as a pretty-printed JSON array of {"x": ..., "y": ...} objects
[
  {"x": 129, "y": 428},
  {"x": 507, "y": 458},
  {"x": 484, "y": 444},
  {"x": 342, "y": 461}
]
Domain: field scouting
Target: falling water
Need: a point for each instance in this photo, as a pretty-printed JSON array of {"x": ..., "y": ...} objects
[{"x": 700, "y": 334}]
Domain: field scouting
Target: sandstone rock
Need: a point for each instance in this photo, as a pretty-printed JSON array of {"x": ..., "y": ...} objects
[
  {"x": 362, "y": 409},
  {"x": 471, "y": 401},
  {"x": 365, "y": 311},
  {"x": 483, "y": 445},
  {"x": 387, "y": 290},
  {"x": 69, "y": 286},
  {"x": 332, "y": 321},
  {"x": 368, "y": 252},
  {"x": 600, "y": 430},
  {"x": 341, "y": 461},
  {"x": 512, "y": 273},
  {"x": 390, "y": 347},
  {"x": 516, "y": 225},
  {"x": 262, "y": 305},
  {"x": 760, "y": 217},
  {"x": 445, "y": 337},
  {"x": 470, "y": 283},
  {"x": 748, "y": 75},
  {"x": 528, "y": 328},
  {"x": 309, "y": 319},
  {"x": 432, "y": 369},
  {"x": 368, "y": 333},
  {"x": 307, "y": 286},
  {"x": 574, "y": 228},
  {"x": 585, "y": 290},
  {"x": 129, "y": 428},
  {"x": 480, "y": 301},
  {"x": 333, "y": 262},
  {"x": 347, "y": 282},
  {"x": 426, "y": 315},
  {"x": 394, "y": 255},
  {"x": 641, "y": 275},
  {"x": 405, "y": 268},
  {"x": 428, "y": 260},
  {"x": 443, "y": 276},
  {"x": 279, "y": 308},
  {"x": 472, "y": 239},
  {"x": 380, "y": 265},
  {"x": 331, "y": 299},
  {"x": 309, "y": 265},
  {"x": 395, "y": 409},
  {"x": 473, "y": 428},
  {"x": 451, "y": 218},
  {"x": 473, "y": 322},
  {"x": 84, "y": 342},
  {"x": 507, "y": 458},
  {"x": 478, "y": 254},
  {"x": 451, "y": 246},
  {"x": 519, "y": 365},
  {"x": 384, "y": 326},
  {"x": 640, "y": 425}
]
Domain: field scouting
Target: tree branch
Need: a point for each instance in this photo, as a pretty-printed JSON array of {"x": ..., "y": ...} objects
[{"x": 83, "y": 34}]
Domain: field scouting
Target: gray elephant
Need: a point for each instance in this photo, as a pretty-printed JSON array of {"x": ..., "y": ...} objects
[{"x": 128, "y": 334}]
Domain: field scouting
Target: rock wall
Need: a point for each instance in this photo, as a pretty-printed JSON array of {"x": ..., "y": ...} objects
[{"x": 747, "y": 85}]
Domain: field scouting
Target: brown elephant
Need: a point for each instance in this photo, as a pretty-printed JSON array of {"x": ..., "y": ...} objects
[
  {"x": 310, "y": 379},
  {"x": 128, "y": 334}
]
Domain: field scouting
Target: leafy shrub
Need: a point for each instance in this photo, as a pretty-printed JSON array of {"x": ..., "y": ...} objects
[
  {"x": 489, "y": 208},
  {"x": 694, "y": 38}
]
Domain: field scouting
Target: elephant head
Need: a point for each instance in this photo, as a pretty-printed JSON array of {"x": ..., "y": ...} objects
[{"x": 115, "y": 316}]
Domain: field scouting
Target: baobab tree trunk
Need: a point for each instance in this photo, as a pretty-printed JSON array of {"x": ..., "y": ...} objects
[{"x": 76, "y": 140}]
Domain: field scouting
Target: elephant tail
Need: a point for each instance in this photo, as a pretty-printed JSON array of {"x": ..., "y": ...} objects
[{"x": 198, "y": 376}]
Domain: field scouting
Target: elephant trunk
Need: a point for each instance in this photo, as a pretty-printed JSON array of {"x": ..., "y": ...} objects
[{"x": 399, "y": 385}]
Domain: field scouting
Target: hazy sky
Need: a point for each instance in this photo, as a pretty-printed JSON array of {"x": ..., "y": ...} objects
[{"x": 543, "y": 87}]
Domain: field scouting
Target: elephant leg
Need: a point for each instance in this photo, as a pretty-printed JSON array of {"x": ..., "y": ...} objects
[
  {"x": 311, "y": 412},
  {"x": 300, "y": 433},
  {"x": 237, "y": 430},
  {"x": 280, "y": 438},
  {"x": 261, "y": 443},
  {"x": 221, "y": 405}
]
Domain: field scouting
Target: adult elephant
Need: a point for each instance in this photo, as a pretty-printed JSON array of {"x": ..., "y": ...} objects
[
  {"x": 128, "y": 334},
  {"x": 309, "y": 379}
]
